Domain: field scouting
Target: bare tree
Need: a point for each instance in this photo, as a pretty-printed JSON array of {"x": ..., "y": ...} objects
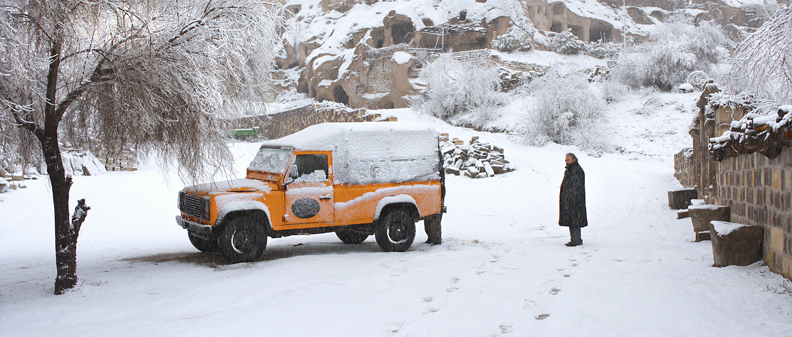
[
  {"x": 163, "y": 76},
  {"x": 763, "y": 61}
]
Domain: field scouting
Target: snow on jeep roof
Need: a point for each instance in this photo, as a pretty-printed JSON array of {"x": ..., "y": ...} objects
[
  {"x": 371, "y": 152},
  {"x": 329, "y": 136}
]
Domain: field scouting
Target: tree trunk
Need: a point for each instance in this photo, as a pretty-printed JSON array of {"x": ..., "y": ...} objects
[{"x": 65, "y": 234}]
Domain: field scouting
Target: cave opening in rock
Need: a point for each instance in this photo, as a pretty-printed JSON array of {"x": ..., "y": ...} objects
[
  {"x": 577, "y": 31},
  {"x": 600, "y": 32},
  {"x": 402, "y": 32},
  {"x": 340, "y": 95},
  {"x": 557, "y": 27}
]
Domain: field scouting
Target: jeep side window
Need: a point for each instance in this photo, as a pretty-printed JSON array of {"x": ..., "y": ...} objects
[{"x": 311, "y": 167}]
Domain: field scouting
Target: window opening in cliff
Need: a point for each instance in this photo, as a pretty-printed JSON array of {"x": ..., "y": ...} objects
[
  {"x": 578, "y": 32},
  {"x": 378, "y": 37},
  {"x": 302, "y": 86},
  {"x": 402, "y": 32},
  {"x": 557, "y": 27},
  {"x": 340, "y": 95},
  {"x": 660, "y": 16},
  {"x": 600, "y": 32}
]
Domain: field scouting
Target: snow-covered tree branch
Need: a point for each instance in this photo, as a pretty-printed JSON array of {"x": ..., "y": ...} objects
[{"x": 763, "y": 62}]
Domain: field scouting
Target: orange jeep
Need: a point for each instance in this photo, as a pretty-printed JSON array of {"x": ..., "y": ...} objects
[{"x": 354, "y": 179}]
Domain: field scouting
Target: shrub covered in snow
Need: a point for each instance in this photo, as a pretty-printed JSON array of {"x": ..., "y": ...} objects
[
  {"x": 515, "y": 39},
  {"x": 675, "y": 50},
  {"x": 567, "y": 111},
  {"x": 611, "y": 92},
  {"x": 604, "y": 50},
  {"x": 454, "y": 88},
  {"x": 566, "y": 43}
]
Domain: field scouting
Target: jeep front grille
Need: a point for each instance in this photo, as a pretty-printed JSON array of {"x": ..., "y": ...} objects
[{"x": 194, "y": 206}]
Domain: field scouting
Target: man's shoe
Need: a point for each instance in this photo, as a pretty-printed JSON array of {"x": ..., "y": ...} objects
[{"x": 571, "y": 244}]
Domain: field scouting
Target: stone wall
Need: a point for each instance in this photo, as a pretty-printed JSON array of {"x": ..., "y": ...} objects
[
  {"x": 757, "y": 189},
  {"x": 759, "y": 193},
  {"x": 684, "y": 167},
  {"x": 284, "y": 123}
]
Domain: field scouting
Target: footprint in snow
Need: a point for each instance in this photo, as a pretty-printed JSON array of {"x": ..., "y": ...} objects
[
  {"x": 541, "y": 316},
  {"x": 430, "y": 310},
  {"x": 554, "y": 291}
]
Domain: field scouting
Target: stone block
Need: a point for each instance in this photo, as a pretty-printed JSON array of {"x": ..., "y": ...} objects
[
  {"x": 703, "y": 236},
  {"x": 452, "y": 170},
  {"x": 702, "y": 215},
  {"x": 776, "y": 179},
  {"x": 735, "y": 244},
  {"x": 777, "y": 239},
  {"x": 680, "y": 199}
]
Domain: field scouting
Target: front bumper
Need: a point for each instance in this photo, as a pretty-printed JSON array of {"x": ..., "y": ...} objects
[{"x": 193, "y": 226}]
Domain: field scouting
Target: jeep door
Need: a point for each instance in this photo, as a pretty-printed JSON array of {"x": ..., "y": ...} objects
[{"x": 309, "y": 191}]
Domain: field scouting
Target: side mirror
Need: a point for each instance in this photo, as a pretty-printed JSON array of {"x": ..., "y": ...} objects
[{"x": 291, "y": 175}]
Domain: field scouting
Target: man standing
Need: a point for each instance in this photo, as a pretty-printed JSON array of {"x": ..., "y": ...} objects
[
  {"x": 572, "y": 201},
  {"x": 432, "y": 223}
]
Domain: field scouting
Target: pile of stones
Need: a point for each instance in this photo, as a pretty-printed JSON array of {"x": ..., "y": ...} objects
[{"x": 474, "y": 160}]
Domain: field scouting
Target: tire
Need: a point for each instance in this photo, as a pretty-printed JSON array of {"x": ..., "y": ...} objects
[
  {"x": 396, "y": 231},
  {"x": 243, "y": 239},
  {"x": 351, "y": 237},
  {"x": 202, "y": 244}
]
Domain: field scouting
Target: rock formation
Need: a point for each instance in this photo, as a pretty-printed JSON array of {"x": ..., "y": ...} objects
[{"x": 368, "y": 53}]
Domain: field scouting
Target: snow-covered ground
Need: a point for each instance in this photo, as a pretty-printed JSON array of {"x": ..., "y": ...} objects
[{"x": 502, "y": 269}]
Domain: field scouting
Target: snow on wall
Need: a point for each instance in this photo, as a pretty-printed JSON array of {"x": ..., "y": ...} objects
[{"x": 372, "y": 152}]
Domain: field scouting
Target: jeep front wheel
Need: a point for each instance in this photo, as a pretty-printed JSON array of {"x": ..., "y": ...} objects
[
  {"x": 351, "y": 237},
  {"x": 243, "y": 239},
  {"x": 395, "y": 232}
]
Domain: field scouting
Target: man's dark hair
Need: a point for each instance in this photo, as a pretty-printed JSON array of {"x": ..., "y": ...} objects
[{"x": 572, "y": 155}]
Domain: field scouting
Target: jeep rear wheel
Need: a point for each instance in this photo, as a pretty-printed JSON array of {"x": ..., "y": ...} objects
[
  {"x": 202, "y": 244},
  {"x": 396, "y": 231},
  {"x": 243, "y": 239},
  {"x": 351, "y": 237}
]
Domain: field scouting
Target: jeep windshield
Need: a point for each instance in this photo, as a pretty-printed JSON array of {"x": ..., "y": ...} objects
[{"x": 271, "y": 160}]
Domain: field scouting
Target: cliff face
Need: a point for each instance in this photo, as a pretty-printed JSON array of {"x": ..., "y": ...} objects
[{"x": 368, "y": 53}]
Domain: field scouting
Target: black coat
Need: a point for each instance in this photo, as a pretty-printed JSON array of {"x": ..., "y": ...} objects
[{"x": 572, "y": 201}]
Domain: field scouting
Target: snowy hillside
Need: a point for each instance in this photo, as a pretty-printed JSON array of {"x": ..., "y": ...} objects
[{"x": 503, "y": 268}]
